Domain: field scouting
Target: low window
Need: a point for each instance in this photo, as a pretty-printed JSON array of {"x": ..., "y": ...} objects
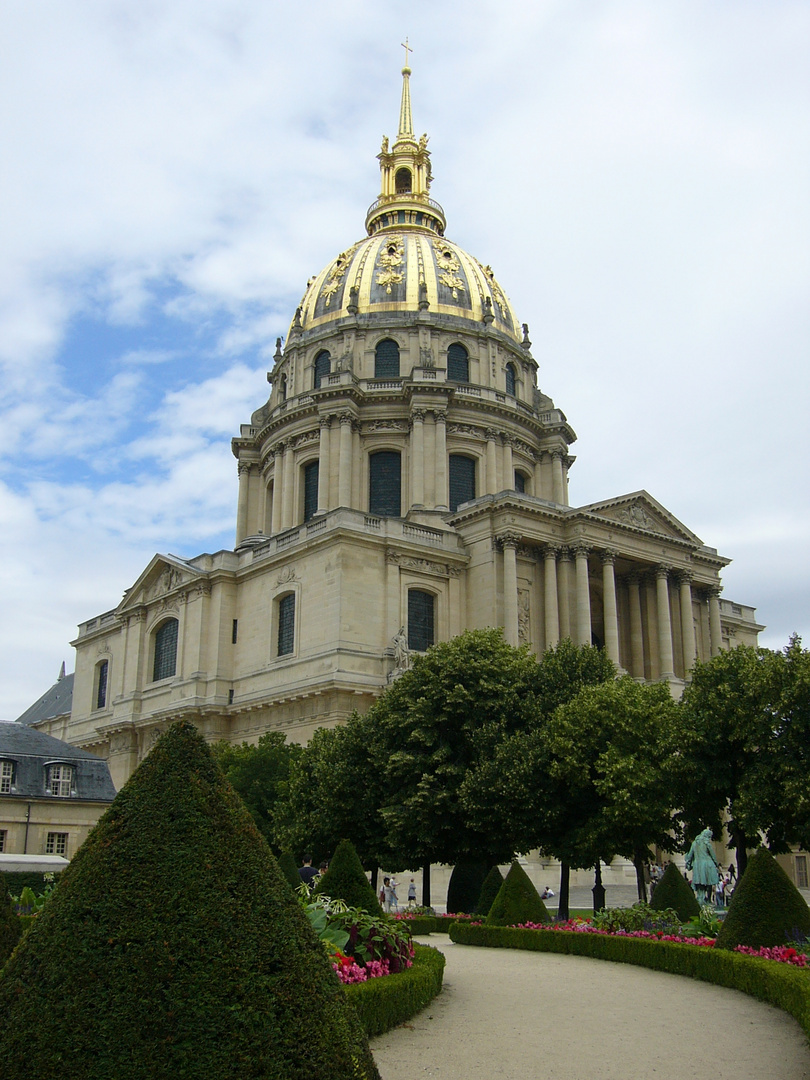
[
  {"x": 286, "y": 624},
  {"x": 462, "y": 480},
  {"x": 511, "y": 379},
  {"x": 60, "y": 780},
  {"x": 6, "y": 777},
  {"x": 310, "y": 490},
  {"x": 56, "y": 843},
  {"x": 386, "y": 360},
  {"x": 3, "y": 835},
  {"x": 458, "y": 363},
  {"x": 385, "y": 484},
  {"x": 520, "y": 482},
  {"x": 165, "y": 664},
  {"x": 421, "y": 620},
  {"x": 101, "y": 684},
  {"x": 323, "y": 365},
  {"x": 801, "y": 871}
]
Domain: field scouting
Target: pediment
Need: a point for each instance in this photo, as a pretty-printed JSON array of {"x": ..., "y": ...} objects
[
  {"x": 641, "y": 512},
  {"x": 164, "y": 575}
]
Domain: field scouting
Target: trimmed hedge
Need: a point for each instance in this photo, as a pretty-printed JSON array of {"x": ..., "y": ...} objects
[
  {"x": 674, "y": 891},
  {"x": 383, "y": 1003},
  {"x": 420, "y": 925},
  {"x": 766, "y": 908},
  {"x": 517, "y": 901},
  {"x": 10, "y": 929},
  {"x": 288, "y": 867},
  {"x": 783, "y": 985},
  {"x": 489, "y": 890},
  {"x": 464, "y": 887},
  {"x": 346, "y": 880}
]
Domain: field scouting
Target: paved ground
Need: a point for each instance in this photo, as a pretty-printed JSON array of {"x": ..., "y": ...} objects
[{"x": 521, "y": 1015}]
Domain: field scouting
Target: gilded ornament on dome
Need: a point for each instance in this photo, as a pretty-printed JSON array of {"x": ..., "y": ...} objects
[
  {"x": 335, "y": 277},
  {"x": 497, "y": 292},
  {"x": 448, "y": 266},
  {"x": 391, "y": 255}
]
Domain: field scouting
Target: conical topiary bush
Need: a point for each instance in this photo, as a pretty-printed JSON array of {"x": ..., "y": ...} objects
[
  {"x": 674, "y": 891},
  {"x": 766, "y": 907},
  {"x": 175, "y": 947},
  {"x": 464, "y": 886},
  {"x": 286, "y": 864},
  {"x": 10, "y": 925},
  {"x": 346, "y": 880},
  {"x": 489, "y": 890},
  {"x": 517, "y": 901}
]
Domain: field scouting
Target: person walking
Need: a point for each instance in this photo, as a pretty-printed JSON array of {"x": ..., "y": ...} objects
[
  {"x": 307, "y": 872},
  {"x": 411, "y": 893}
]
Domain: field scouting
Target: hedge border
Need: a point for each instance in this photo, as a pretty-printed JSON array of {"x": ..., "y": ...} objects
[
  {"x": 419, "y": 925},
  {"x": 386, "y": 1002},
  {"x": 782, "y": 985}
]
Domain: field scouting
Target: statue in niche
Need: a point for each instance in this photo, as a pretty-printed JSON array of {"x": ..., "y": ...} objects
[{"x": 402, "y": 657}]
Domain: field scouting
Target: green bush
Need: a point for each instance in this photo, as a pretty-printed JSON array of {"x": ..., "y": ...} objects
[
  {"x": 517, "y": 901},
  {"x": 286, "y": 864},
  {"x": 766, "y": 907},
  {"x": 10, "y": 929},
  {"x": 432, "y": 924},
  {"x": 783, "y": 985},
  {"x": 384, "y": 1003},
  {"x": 640, "y": 916},
  {"x": 464, "y": 886},
  {"x": 674, "y": 891},
  {"x": 188, "y": 953},
  {"x": 12, "y": 882},
  {"x": 346, "y": 880},
  {"x": 489, "y": 890}
]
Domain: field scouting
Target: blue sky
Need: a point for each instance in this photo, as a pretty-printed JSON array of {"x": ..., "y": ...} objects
[{"x": 636, "y": 173}]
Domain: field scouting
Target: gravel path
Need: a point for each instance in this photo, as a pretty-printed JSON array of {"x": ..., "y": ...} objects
[{"x": 505, "y": 1013}]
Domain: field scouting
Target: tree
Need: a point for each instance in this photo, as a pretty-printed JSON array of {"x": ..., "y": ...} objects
[
  {"x": 259, "y": 774},
  {"x": 189, "y": 953}
]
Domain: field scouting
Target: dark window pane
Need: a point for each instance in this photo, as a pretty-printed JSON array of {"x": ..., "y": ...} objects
[
  {"x": 310, "y": 490},
  {"x": 462, "y": 480},
  {"x": 286, "y": 624},
  {"x": 510, "y": 379},
  {"x": 402, "y": 181},
  {"x": 421, "y": 608},
  {"x": 165, "y": 651},
  {"x": 322, "y": 367},
  {"x": 386, "y": 360},
  {"x": 385, "y": 484},
  {"x": 458, "y": 364},
  {"x": 520, "y": 482},
  {"x": 101, "y": 694}
]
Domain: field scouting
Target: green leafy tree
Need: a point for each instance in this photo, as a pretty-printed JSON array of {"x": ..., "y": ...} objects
[{"x": 189, "y": 953}]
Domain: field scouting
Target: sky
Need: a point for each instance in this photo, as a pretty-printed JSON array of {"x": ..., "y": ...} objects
[{"x": 173, "y": 171}]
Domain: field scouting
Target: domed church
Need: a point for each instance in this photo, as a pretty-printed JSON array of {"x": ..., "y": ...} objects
[{"x": 406, "y": 479}]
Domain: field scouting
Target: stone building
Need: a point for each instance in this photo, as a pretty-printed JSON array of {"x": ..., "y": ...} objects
[{"x": 406, "y": 479}]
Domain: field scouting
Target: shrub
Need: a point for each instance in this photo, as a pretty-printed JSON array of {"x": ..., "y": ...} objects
[
  {"x": 10, "y": 929},
  {"x": 640, "y": 916},
  {"x": 189, "y": 954},
  {"x": 465, "y": 884},
  {"x": 766, "y": 907},
  {"x": 383, "y": 1004},
  {"x": 286, "y": 864},
  {"x": 517, "y": 901},
  {"x": 489, "y": 890},
  {"x": 674, "y": 891},
  {"x": 346, "y": 880}
]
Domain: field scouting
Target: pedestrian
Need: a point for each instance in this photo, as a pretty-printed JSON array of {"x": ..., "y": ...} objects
[
  {"x": 385, "y": 894},
  {"x": 307, "y": 872},
  {"x": 411, "y": 893},
  {"x": 394, "y": 903}
]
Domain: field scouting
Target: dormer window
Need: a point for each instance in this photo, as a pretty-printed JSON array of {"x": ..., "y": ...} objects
[
  {"x": 403, "y": 182},
  {"x": 6, "y": 777},
  {"x": 60, "y": 780}
]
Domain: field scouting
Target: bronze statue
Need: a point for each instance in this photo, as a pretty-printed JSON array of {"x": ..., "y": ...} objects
[{"x": 701, "y": 860}]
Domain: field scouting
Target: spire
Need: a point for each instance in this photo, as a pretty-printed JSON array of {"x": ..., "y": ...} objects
[
  {"x": 61, "y": 674},
  {"x": 405, "y": 119}
]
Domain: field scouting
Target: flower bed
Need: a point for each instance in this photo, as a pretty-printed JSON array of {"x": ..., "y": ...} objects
[{"x": 383, "y": 1004}]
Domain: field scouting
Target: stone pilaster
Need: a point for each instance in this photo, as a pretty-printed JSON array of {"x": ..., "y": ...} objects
[
  {"x": 636, "y": 632},
  {"x": 418, "y": 457},
  {"x": 581, "y": 552},
  {"x": 509, "y": 542},
  {"x": 687, "y": 620},
  {"x": 609, "y": 601},
  {"x": 665, "y": 660},
  {"x": 440, "y": 420},
  {"x": 324, "y": 465},
  {"x": 550, "y": 603}
]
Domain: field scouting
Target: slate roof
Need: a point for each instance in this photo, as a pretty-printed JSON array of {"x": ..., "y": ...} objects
[
  {"x": 32, "y": 750},
  {"x": 56, "y": 701}
]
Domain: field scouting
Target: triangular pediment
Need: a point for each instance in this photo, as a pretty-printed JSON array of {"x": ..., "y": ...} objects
[
  {"x": 164, "y": 575},
  {"x": 641, "y": 512}
]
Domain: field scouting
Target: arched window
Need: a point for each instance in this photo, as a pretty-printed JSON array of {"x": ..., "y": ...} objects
[
  {"x": 421, "y": 620},
  {"x": 403, "y": 181},
  {"x": 520, "y": 482},
  {"x": 458, "y": 363},
  {"x": 102, "y": 671},
  {"x": 323, "y": 365},
  {"x": 310, "y": 490},
  {"x": 385, "y": 483},
  {"x": 511, "y": 379},
  {"x": 165, "y": 664},
  {"x": 462, "y": 480},
  {"x": 386, "y": 360},
  {"x": 286, "y": 624}
]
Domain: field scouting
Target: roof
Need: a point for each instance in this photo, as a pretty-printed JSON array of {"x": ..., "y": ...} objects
[
  {"x": 32, "y": 750},
  {"x": 56, "y": 701}
]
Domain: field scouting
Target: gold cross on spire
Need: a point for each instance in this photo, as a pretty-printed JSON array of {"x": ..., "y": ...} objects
[{"x": 407, "y": 49}]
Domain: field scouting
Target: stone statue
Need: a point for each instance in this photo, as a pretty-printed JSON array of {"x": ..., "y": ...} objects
[
  {"x": 701, "y": 860},
  {"x": 401, "y": 655},
  {"x": 384, "y": 148}
]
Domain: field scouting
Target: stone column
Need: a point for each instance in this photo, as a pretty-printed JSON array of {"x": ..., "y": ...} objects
[
  {"x": 551, "y": 609},
  {"x": 636, "y": 634},
  {"x": 609, "y": 601},
  {"x": 288, "y": 489},
  {"x": 558, "y": 492},
  {"x": 583, "y": 596},
  {"x": 564, "y": 592},
  {"x": 510, "y": 542},
  {"x": 687, "y": 621},
  {"x": 665, "y": 661},
  {"x": 323, "y": 465},
  {"x": 715, "y": 630},
  {"x": 345, "y": 461},
  {"x": 440, "y": 420},
  {"x": 492, "y": 463},
  {"x": 242, "y": 506},
  {"x": 508, "y": 464},
  {"x": 278, "y": 487},
  {"x": 538, "y": 489},
  {"x": 418, "y": 457}
]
